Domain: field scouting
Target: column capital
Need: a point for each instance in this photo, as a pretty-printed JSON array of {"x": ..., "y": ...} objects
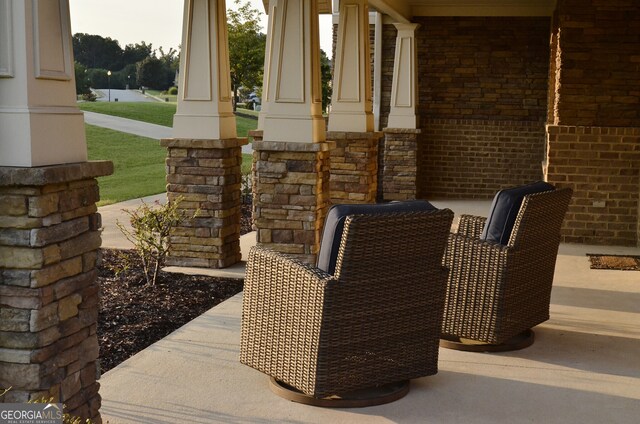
[
  {"x": 406, "y": 26},
  {"x": 352, "y": 103},
  {"x": 404, "y": 90},
  {"x": 40, "y": 123},
  {"x": 292, "y": 93},
  {"x": 204, "y": 107}
]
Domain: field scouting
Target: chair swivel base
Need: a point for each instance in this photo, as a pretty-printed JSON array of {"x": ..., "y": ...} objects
[
  {"x": 356, "y": 399},
  {"x": 520, "y": 341}
]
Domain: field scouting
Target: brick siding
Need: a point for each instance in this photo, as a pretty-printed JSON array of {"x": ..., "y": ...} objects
[
  {"x": 473, "y": 158},
  {"x": 483, "y": 103},
  {"x": 599, "y": 64},
  {"x": 602, "y": 166}
]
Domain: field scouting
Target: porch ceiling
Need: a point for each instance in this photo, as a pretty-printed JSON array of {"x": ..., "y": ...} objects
[
  {"x": 324, "y": 6},
  {"x": 404, "y": 10}
]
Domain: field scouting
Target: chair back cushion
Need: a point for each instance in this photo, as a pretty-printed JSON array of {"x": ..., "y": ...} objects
[
  {"x": 504, "y": 210},
  {"x": 334, "y": 225}
]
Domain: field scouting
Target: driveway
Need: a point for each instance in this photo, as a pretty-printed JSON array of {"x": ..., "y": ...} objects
[{"x": 123, "y": 96}]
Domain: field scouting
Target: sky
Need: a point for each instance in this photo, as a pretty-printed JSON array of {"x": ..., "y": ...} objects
[{"x": 158, "y": 22}]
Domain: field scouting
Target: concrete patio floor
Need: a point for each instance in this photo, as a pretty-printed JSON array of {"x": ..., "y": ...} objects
[{"x": 583, "y": 368}]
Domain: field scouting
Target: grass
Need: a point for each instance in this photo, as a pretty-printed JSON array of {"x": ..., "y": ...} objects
[
  {"x": 154, "y": 113},
  {"x": 135, "y": 174},
  {"x": 173, "y": 98}
]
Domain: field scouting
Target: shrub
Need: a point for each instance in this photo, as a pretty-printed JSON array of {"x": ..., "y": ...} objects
[
  {"x": 89, "y": 97},
  {"x": 150, "y": 231},
  {"x": 173, "y": 91}
]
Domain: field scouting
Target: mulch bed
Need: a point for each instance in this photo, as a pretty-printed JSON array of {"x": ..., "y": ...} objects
[
  {"x": 615, "y": 262},
  {"x": 134, "y": 315}
]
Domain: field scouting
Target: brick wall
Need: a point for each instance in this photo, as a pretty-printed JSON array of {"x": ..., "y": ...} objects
[
  {"x": 594, "y": 123},
  {"x": 475, "y": 158},
  {"x": 602, "y": 166},
  {"x": 599, "y": 64},
  {"x": 483, "y": 103}
]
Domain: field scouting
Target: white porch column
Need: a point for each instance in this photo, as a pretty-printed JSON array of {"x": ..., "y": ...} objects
[
  {"x": 351, "y": 105},
  {"x": 40, "y": 123},
  {"x": 404, "y": 91},
  {"x": 205, "y": 155},
  {"x": 292, "y": 93},
  {"x": 204, "y": 108}
]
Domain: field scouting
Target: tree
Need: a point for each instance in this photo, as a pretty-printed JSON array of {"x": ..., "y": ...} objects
[
  {"x": 134, "y": 53},
  {"x": 83, "y": 85},
  {"x": 246, "y": 48},
  {"x": 171, "y": 63},
  {"x": 152, "y": 73},
  {"x": 325, "y": 73},
  {"x": 95, "y": 51}
]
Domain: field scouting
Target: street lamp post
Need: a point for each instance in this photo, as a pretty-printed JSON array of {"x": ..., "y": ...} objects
[
  {"x": 109, "y": 83},
  {"x": 128, "y": 82}
]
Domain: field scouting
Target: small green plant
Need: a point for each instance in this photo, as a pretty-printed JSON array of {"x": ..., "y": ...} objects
[
  {"x": 149, "y": 233},
  {"x": 172, "y": 91},
  {"x": 89, "y": 97},
  {"x": 246, "y": 184}
]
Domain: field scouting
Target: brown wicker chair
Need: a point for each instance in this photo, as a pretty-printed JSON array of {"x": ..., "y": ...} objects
[
  {"x": 375, "y": 322},
  {"x": 496, "y": 293}
]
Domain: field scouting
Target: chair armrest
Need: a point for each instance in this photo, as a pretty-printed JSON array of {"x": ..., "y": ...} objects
[
  {"x": 471, "y": 226},
  {"x": 282, "y": 312},
  {"x": 475, "y": 256}
]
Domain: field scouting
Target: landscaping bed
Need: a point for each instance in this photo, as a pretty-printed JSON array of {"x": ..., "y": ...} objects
[{"x": 134, "y": 315}]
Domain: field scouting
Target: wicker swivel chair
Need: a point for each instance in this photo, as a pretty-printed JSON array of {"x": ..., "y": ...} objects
[
  {"x": 325, "y": 339},
  {"x": 500, "y": 286}
]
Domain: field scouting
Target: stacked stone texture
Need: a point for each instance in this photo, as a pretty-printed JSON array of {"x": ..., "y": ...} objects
[
  {"x": 49, "y": 248},
  {"x": 400, "y": 155},
  {"x": 206, "y": 176},
  {"x": 594, "y": 126},
  {"x": 354, "y": 167},
  {"x": 291, "y": 196}
]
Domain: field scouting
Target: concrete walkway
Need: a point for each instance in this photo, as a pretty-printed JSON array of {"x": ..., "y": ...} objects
[
  {"x": 123, "y": 96},
  {"x": 583, "y": 367},
  {"x": 142, "y": 129},
  {"x": 112, "y": 237}
]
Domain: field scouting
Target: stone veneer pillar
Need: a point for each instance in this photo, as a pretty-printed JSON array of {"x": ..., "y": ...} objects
[
  {"x": 291, "y": 195},
  {"x": 399, "y": 174},
  {"x": 354, "y": 166},
  {"x": 206, "y": 175},
  {"x": 49, "y": 241}
]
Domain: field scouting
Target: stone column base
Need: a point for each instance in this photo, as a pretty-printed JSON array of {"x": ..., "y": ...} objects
[
  {"x": 601, "y": 165},
  {"x": 291, "y": 196},
  {"x": 354, "y": 166},
  {"x": 49, "y": 248},
  {"x": 206, "y": 175},
  {"x": 400, "y": 172}
]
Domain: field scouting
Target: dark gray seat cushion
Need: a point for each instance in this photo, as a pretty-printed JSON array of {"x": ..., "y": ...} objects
[
  {"x": 334, "y": 225},
  {"x": 504, "y": 211}
]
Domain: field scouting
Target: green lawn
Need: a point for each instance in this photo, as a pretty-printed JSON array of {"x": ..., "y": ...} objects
[
  {"x": 135, "y": 174},
  {"x": 139, "y": 169},
  {"x": 173, "y": 98},
  {"x": 154, "y": 113}
]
